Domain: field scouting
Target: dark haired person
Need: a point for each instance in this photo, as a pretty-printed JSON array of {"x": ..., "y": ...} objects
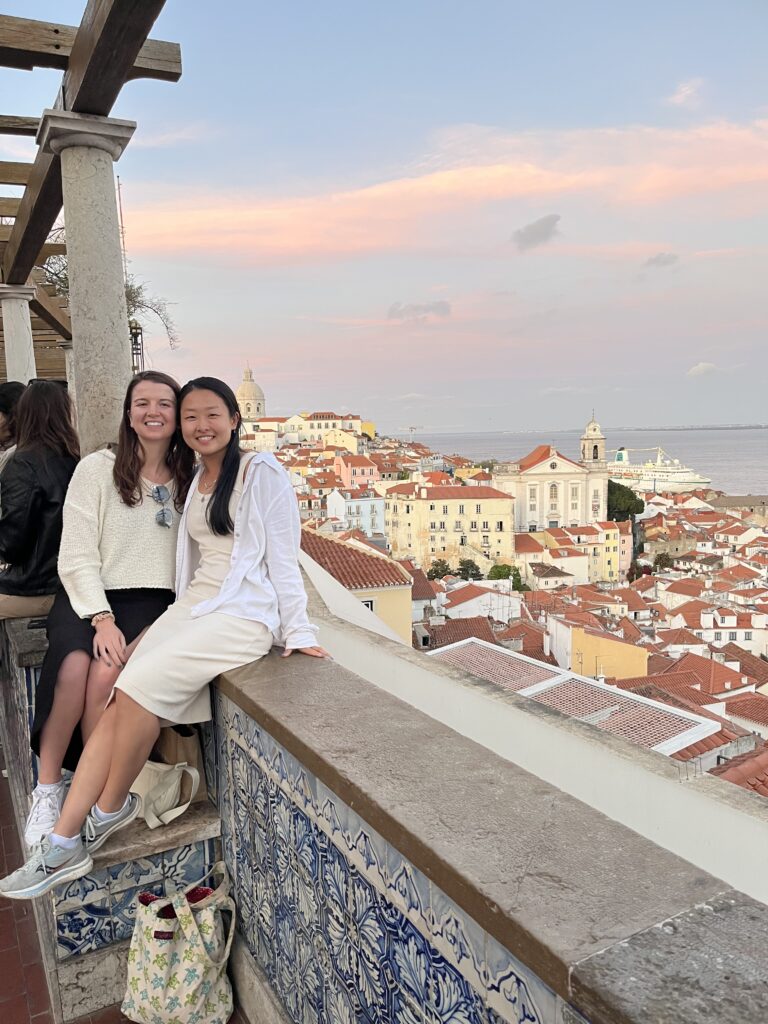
[
  {"x": 238, "y": 585},
  {"x": 116, "y": 565},
  {"x": 33, "y": 484},
  {"x": 10, "y": 393}
]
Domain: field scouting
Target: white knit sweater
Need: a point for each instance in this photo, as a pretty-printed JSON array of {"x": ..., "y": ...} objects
[{"x": 105, "y": 545}]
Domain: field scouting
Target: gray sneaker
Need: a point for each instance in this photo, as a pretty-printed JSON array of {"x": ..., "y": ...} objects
[
  {"x": 96, "y": 833},
  {"x": 47, "y": 867}
]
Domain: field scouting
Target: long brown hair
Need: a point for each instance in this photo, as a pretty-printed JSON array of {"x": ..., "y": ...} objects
[
  {"x": 180, "y": 458},
  {"x": 44, "y": 420}
]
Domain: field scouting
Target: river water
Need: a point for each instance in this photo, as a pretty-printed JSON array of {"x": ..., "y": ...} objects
[{"x": 735, "y": 459}]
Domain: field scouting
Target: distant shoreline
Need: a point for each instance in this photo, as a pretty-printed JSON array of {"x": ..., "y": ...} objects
[{"x": 575, "y": 430}]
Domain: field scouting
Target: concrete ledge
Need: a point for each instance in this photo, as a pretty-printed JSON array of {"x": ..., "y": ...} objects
[
  {"x": 554, "y": 881},
  {"x": 255, "y": 997}
]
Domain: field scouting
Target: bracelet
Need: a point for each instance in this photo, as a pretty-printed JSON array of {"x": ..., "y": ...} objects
[{"x": 100, "y": 616}]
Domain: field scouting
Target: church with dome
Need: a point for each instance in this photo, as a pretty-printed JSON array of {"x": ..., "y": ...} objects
[{"x": 250, "y": 398}]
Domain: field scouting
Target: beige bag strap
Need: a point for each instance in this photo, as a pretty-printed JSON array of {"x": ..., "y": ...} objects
[{"x": 153, "y": 819}]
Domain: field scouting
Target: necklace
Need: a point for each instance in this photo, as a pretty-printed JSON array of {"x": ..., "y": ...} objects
[{"x": 204, "y": 489}]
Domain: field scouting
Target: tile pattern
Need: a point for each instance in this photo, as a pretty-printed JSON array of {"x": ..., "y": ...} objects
[
  {"x": 345, "y": 928},
  {"x": 99, "y": 908}
]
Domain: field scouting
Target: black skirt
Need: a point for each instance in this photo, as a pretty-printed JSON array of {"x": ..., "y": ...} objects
[{"x": 134, "y": 610}]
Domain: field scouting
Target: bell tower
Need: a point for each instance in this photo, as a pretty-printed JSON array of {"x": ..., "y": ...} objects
[{"x": 592, "y": 443}]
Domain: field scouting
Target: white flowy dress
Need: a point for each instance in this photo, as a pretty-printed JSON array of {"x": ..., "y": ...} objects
[{"x": 179, "y": 655}]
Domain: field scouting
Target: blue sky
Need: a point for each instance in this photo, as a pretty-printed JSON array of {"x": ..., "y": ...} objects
[{"x": 470, "y": 216}]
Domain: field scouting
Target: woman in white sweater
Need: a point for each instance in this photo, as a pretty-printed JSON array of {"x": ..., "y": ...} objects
[
  {"x": 238, "y": 588},
  {"x": 116, "y": 565}
]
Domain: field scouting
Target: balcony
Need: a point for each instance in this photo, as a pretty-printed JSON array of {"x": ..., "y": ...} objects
[{"x": 408, "y": 843}]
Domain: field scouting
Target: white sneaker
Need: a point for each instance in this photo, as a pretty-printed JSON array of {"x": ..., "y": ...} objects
[{"x": 45, "y": 811}]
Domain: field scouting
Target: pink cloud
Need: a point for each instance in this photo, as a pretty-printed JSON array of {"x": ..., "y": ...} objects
[{"x": 470, "y": 169}]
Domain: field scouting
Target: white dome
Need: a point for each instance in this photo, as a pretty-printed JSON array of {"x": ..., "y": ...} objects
[
  {"x": 249, "y": 390},
  {"x": 593, "y": 429}
]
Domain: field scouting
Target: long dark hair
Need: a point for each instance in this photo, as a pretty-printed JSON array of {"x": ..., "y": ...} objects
[
  {"x": 44, "y": 420},
  {"x": 10, "y": 393},
  {"x": 180, "y": 459},
  {"x": 219, "y": 519}
]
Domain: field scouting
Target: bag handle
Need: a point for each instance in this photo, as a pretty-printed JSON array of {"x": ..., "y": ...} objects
[
  {"x": 189, "y": 925},
  {"x": 155, "y": 820},
  {"x": 221, "y": 892}
]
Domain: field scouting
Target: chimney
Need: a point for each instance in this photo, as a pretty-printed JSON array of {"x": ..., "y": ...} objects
[
  {"x": 600, "y": 678},
  {"x": 423, "y": 492}
]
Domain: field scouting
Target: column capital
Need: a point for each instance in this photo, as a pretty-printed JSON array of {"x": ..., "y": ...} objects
[
  {"x": 60, "y": 129},
  {"x": 17, "y": 291}
]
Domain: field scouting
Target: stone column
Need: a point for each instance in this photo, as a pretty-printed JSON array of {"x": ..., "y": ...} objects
[
  {"x": 101, "y": 355},
  {"x": 17, "y": 332}
]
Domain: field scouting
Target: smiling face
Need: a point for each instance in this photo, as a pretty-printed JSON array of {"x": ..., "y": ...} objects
[
  {"x": 153, "y": 411},
  {"x": 206, "y": 423}
]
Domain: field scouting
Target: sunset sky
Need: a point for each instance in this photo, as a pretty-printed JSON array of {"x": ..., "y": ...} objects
[{"x": 463, "y": 215}]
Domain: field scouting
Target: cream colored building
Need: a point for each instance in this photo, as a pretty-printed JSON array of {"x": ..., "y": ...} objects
[
  {"x": 552, "y": 490},
  {"x": 452, "y": 522}
]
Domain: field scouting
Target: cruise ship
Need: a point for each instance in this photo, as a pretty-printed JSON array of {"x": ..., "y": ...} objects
[{"x": 661, "y": 473}]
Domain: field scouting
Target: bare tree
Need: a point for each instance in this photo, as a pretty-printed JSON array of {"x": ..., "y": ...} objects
[{"x": 142, "y": 304}]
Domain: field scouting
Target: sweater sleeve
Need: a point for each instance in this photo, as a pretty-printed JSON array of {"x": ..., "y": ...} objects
[
  {"x": 283, "y": 539},
  {"x": 19, "y": 502},
  {"x": 79, "y": 554}
]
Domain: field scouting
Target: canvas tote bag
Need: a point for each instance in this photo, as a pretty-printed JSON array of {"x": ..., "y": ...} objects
[
  {"x": 170, "y": 781},
  {"x": 182, "y": 978}
]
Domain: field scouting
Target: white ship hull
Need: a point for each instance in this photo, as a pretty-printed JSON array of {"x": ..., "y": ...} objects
[{"x": 663, "y": 474}]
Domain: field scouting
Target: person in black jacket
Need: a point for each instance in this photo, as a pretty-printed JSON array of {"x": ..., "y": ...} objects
[
  {"x": 33, "y": 485},
  {"x": 10, "y": 393}
]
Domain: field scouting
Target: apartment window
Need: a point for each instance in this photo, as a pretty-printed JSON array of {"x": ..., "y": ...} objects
[
  {"x": 386, "y": 505},
  {"x": 553, "y": 492},
  {"x": 486, "y": 540},
  {"x": 595, "y": 495},
  {"x": 532, "y": 508},
  {"x": 478, "y": 509},
  {"x": 574, "y": 506},
  {"x": 442, "y": 525},
  {"x": 431, "y": 508},
  {"x": 462, "y": 541},
  {"x": 575, "y": 493},
  {"x": 532, "y": 493},
  {"x": 486, "y": 525},
  {"x": 699, "y": 634},
  {"x": 457, "y": 525},
  {"x": 394, "y": 509},
  {"x": 718, "y": 635},
  {"x": 748, "y": 635},
  {"x": 553, "y": 506},
  {"x": 433, "y": 525},
  {"x": 732, "y": 636},
  {"x": 432, "y": 540},
  {"x": 407, "y": 509},
  {"x": 473, "y": 525},
  {"x": 499, "y": 526},
  {"x": 461, "y": 510},
  {"x": 368, "y": 604},
  {"x": 445, "y": 510}
]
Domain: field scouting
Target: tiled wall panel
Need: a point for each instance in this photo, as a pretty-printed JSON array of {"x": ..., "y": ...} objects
[{"x": 344, "y": 927}]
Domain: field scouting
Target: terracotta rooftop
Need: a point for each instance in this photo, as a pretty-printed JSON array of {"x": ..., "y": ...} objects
[
  {"x": 353, "y": 568},
  {"x": 750, "y": 664},
  {"x": 713, "y": 676},
  {"x": 750, "y": 770},
  {"x": 422, "y": 588},
  {"x": 525, "y": 544},
  {"x": 677, "y": 637},
  {"x": 495, "y": 664},
  {"x": 476, "y": 627},
  {"x": 752, "y": 707},
  {"x": 463, "y": 594}
]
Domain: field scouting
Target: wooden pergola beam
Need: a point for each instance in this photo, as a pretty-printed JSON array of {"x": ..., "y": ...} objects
[
  {"x": 27, "y": 44},
  {"x": 9, "y": 206},
  {"x": 49, "y": 308},
  {"x": 10, "y": 125},
  {"x": 14, "y": 172},
  {"x": 104, "y": 52}
]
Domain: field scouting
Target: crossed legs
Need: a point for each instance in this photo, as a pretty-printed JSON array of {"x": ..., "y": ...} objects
[{"x": 113, "y": 756}]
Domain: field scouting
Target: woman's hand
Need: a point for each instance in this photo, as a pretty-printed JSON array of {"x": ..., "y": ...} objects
[
  {"x": 312, "y": 652},
  {"x": 109, "y": 644}
]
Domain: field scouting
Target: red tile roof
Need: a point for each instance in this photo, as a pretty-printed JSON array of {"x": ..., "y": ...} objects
[
  {"x": 463, "y": 594},
  {"x": 353, "y": 568},
  {"x": 676, "y": 637},
  {"x": 541, "y": 454},
  {"x": 749, "y": 770},
  {"x": 525, "y": 544},
  {"x": 713, "y": 676},
  {"x": 456, "y": 492},
  {"x": 498, "y": 666},
  {"x": 476, "y": 627},
  {"x": 753, "y": 707},
  {"x": 750, "y": 664}
]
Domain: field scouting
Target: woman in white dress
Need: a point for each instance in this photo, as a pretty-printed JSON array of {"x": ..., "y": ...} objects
[{"x": 238, "y": 587}]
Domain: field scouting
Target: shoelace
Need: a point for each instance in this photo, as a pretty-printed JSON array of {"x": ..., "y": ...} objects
[
  {"x": 90, "y": 828},
  {"x": 44, "y": 802}
]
